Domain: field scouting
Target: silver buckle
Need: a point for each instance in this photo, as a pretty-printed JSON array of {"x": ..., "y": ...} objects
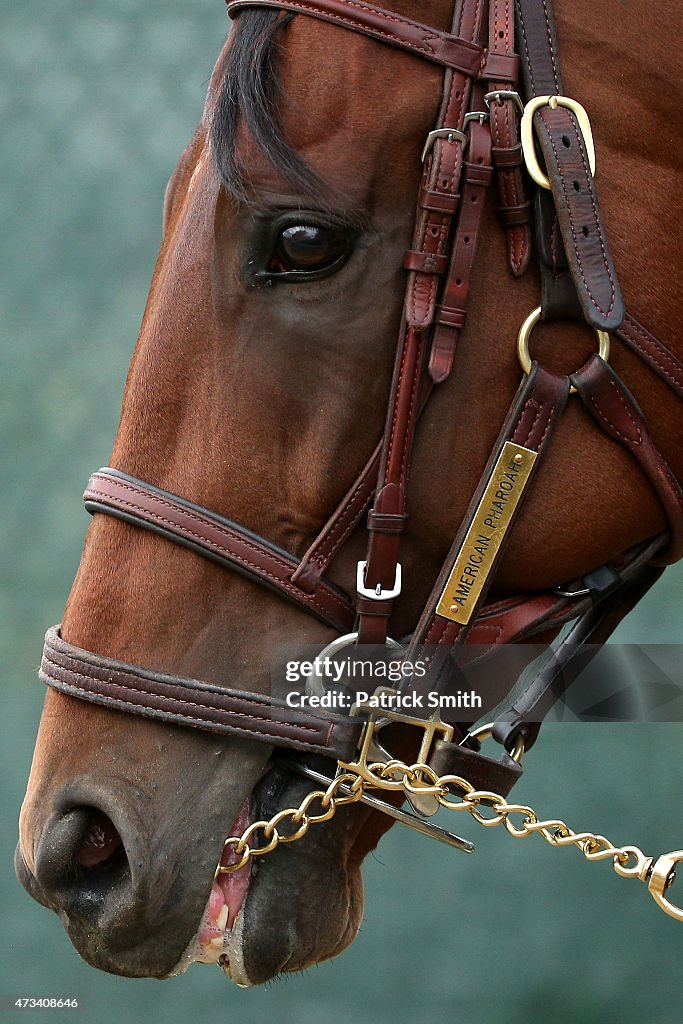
[
  {"x": 498, "y": 95},
  {"x": 377, "y": 594},
  {"x": 482, "y": 116},
  {"x": 450, "y": 134}
]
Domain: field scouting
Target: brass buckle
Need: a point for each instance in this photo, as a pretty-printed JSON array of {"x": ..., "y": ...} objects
[
  {"x": 527, "y": 133},
  {"x": 661, "y": 877},
  {"x": 377, "y": 715}
]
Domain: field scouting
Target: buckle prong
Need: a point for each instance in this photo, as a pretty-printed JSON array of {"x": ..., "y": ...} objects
[
  {"x": 377, "y": 593},
  {"x": 498, "y": 95}
]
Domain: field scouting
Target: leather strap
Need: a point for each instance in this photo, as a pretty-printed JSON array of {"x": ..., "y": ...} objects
[
  {"x": 514, "y": 209},
  {"x": 562, "y": 666},
  {"x": 562, "y": 146},
  {"x": 386, "y": 26},
  {"x": 190, "y": 702},
  {"x": 452, "y": 311},
  {"x": 653, "y": 352},
  {"x": 616, "y": 411},
  {"x": 537, "y": 406},
  {"x": 214, "y": 537},
  {"x": 441, "y": 176}
]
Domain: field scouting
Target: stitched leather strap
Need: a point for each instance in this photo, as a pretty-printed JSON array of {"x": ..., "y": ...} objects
[
  {"x": 514, "y": 209},
  {"x": 562, "y": 145},
  {"x": 452, "y": 312},
  {"x": 231, "y": 545},
  {"x": 539, "y": 402},
  {"x": 616, "y": 412},
  {"x": 653, "y": 352},
  {"x": 190, "y": 702},
  {"x": 429, "y": 43},
  {"x": 441, "y": 176}
]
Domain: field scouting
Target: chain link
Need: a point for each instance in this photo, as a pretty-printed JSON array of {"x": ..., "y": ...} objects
[
  {"x": 244, "y": 850},
  {"x": 457, "y": 794}
]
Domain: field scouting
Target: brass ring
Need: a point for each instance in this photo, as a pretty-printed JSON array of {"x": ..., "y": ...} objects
[{"x": 523, "y": 342}]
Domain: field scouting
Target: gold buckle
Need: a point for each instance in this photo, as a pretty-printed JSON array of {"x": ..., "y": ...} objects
[
  {"x": 527, "y": 132},
  {"x": 661, "y": 877},
  {"x": 370, "y": 751},
  {"x": 523, "y": 342}
]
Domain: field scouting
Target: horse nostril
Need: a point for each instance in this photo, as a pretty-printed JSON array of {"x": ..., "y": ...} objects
[
  {"x": 79, "y": 853},
  {"x": 100, "y": 842}
]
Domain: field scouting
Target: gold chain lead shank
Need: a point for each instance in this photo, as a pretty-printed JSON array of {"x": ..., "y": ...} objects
[{"x": 457, "y": 794}]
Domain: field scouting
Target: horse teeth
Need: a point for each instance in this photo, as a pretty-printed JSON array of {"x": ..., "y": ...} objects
[
  {"x": 216, "y": 943},
  {"x": 222, "y": 918}
]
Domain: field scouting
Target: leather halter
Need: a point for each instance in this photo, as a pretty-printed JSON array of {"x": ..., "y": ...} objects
[{"x": 476, "y": 135}]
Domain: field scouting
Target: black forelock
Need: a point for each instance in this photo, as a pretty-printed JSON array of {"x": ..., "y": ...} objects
[{"x": 251, "y": 92}]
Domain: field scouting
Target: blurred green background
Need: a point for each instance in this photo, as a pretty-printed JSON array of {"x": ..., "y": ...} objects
[{"x": 98, "y": 100}]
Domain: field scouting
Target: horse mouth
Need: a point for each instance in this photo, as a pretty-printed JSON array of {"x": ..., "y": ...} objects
[
  {"x": 250, "y": 927},
  {"x": 218, "y": 938},
  {"x": 213, "y": 942}
]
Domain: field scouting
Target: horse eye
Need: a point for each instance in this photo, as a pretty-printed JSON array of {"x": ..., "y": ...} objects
[{"x": 308, "y": 248}]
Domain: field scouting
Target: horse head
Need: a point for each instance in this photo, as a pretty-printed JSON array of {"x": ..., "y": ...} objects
[{"x": 259, "y": 388}]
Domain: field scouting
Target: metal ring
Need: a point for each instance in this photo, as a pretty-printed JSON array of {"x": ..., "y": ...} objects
[
  {"x": 523, "y": 342},
  {"x": 484, "y": 732},
  {"x": 315, "y": 684}
]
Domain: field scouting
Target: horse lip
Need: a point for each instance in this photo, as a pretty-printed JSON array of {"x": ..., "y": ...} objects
[{"x": 232, "y": 932}]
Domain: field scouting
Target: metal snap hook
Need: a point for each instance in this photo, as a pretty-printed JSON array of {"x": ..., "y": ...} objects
[
  {"x": 484, "y": 732},
  {"x": 661, "y": 878}
]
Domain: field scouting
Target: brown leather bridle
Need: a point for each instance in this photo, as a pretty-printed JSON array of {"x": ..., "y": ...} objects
[{"x": 476, "y": 135}]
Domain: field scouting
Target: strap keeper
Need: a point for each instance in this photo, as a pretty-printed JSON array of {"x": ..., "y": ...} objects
[
  {"x": 386, "y": 522},
  {"x": 501, "y": 67},
  {"x": 425, "y": 262},
  {"x": 515, "y": 216},
  {"x": 507, "y": 156},
  {"x": 478, "y": 174},
  {"x": 449, "y": 316},
  {"x": 438, "y": 202}
]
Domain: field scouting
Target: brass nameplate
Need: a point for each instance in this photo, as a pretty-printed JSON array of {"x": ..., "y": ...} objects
[{"x": 491, "y": 522}]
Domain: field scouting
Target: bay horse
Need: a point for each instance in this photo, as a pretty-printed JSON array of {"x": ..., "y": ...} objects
[{"x": 259, "y": 388}]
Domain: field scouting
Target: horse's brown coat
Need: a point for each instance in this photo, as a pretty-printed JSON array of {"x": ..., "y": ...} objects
[{"x": 263, "y": 404}]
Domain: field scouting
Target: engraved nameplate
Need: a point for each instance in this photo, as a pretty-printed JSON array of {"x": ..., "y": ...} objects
[{"x": 491, "y": 522}]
